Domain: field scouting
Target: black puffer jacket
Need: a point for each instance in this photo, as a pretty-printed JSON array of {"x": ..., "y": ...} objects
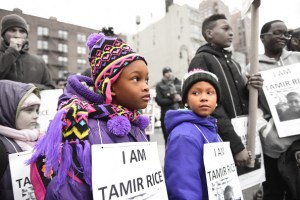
[
  {"x": 234, "y": 94},
  {"x": 24, "y": 67},
  {"x": 165, "y": 91}
]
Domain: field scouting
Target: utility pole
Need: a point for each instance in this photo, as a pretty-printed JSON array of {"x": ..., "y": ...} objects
[{"x": 137, "y": 22}]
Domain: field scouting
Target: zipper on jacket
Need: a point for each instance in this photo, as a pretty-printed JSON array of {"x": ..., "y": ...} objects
[{"x": 230, "y": 94}]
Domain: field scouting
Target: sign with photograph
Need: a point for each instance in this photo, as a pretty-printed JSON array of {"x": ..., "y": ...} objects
[
  {"x": 150, "y": 112},
  {"x": 221, "y": 174},
  {"x": 249, "y": 176},
  {"x": 20, "y": 176},
  {"x": 127, "y": 171},
  {"x": 282, "y": 90}
]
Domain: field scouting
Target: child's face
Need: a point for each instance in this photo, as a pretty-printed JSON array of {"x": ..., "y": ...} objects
[
  {"x": 61, "y": 84},
  {"x": 131, "y": 89},
  {"x": 27, "y": 118},
  {"x": 221, "y": 35},
  {"x": 294, "y": 102},
  {"x": 202, "y": 98}
]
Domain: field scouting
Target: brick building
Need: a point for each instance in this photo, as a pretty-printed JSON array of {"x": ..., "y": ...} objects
[{"x": 60, "y": 44}]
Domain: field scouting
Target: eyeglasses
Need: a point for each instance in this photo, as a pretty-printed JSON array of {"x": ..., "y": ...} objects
[{"x": 279, "y": 34}]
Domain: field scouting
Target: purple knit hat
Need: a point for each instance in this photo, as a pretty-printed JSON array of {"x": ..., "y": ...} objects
[{"x": 108, "y": 56}]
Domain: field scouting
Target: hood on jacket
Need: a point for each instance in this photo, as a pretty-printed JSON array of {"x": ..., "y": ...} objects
[
  {"x": 209, "y": 49},
  {"x": 284, "y": 56},
  {"x": 12, "y": 93},
  {"x": 176, "y": 117},
  {"x": 80, "y": 86}
]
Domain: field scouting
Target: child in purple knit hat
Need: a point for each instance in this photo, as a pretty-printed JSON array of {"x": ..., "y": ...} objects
[{"x": 99, "y": 110}]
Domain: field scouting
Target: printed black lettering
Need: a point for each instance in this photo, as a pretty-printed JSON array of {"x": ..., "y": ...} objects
[
  {"x": 19, "y": 181},
  {"x": 137, "y": 156},
  {"x": 123, "y": 155},
  {"x": 102, "y": 190},
  {"x": 113, "y": 192},
  {"x": 27, "y": 181}
]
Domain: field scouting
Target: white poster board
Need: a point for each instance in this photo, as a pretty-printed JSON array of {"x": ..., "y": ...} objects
[
  {"x": 127, "y": 171},
  {"x": 20, "y": 176},
  {"x": 249, "y": 176},
  {"x": 221, "y": 172},
  {"x": 279, "y": 83},
  {"x": 150, "y": 112},
  {"x": 48, "y": 108}
]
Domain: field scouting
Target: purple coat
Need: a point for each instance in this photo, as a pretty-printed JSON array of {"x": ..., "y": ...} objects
[{"x": 98, "y": 134}]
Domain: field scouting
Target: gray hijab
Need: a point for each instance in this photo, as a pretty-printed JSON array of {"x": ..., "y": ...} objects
[{"x": 12, "y": 96}]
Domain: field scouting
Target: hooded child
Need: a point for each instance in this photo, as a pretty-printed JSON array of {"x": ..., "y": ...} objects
[
  {"x": 100, "y": 109},
  {"x": 188, "y": 130},
  {"x": 19, "y": 106}
]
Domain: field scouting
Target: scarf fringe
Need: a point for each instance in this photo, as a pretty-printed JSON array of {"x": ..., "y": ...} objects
[
  {"x": 87, "y": 163},
  {"x": 65, "y": 163},
  {"x": 58, "y": 149},
  {"x": 49, "y": 144}
]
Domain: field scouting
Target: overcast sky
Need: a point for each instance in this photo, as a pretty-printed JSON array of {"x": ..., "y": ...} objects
[{"x": 121, "y": 14}]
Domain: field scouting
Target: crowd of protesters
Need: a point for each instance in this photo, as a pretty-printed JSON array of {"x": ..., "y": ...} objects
[{"x": 111, "y": 94}]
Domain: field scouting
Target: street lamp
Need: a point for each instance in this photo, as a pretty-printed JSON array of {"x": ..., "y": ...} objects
[{"x": 137, "y": 22}]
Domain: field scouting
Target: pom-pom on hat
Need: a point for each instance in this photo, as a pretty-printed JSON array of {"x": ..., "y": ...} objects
[
  {"x": 108, "y": 56},
  {"x": 13, "y": 20},
  {"x": 198, "y": 75}
]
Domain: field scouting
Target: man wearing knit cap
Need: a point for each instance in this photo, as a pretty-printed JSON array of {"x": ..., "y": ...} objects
[
  {"x": 16, "y": 63},
  {"x": 168, "y": 96}
]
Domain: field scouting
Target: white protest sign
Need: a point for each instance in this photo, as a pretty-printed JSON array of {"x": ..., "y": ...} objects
[
  {"x": 48, "y": 108},
  {"x": 221, "y": 174},
  {"x": 279, "y": 83},
  {"x": 20, "y": 176},
  {"x": 249, "y": 176},
  {"x": 150, "y": 112},
  {"x": 127, "y": 171}
]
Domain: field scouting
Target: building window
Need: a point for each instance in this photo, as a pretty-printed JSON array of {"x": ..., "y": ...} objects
[
  {"x": 81, "y": 37},
  {"x": 62, "y": 34},
  {"x": 42, "y": 31},
  {"x": 81, "y": 50},
  {"x": 62, "y": 60},
  {"x": 45, "y": 58},
  {"x": 63, "y": 48},
  {"x": 41, "y": 44},
  {"x": 81, "y": 61}
]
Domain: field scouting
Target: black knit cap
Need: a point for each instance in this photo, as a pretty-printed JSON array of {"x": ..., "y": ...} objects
[
  {"x": 166, "y": 70},
  {"x": 196, "y": 76},
  {"x": 13, "y": 20}
]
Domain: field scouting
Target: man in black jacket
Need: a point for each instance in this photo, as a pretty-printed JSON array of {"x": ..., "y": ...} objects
[
  {"x": 16, "y": 63},
  {"x": 168, "y": 96}
]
